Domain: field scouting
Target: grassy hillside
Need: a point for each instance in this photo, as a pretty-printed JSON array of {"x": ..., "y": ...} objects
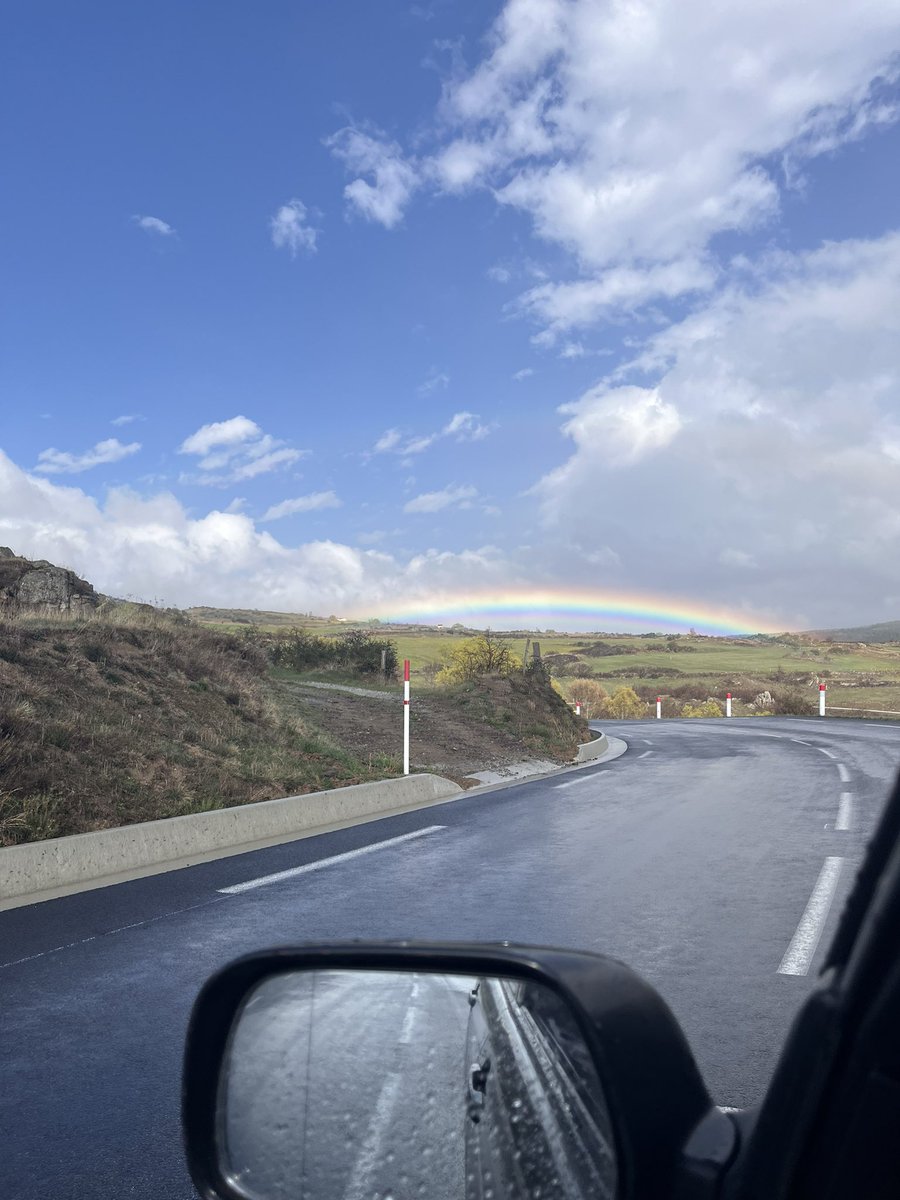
[
  {"x": 135, "y": 716},
  {"x": 886, "y": 631},
  {"x": 685, "y": 667}
]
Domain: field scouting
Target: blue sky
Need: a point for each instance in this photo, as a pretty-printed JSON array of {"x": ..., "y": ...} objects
[{"x": 345, "y": 264}]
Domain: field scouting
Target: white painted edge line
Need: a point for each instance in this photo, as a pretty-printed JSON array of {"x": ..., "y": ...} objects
[
  {"x": 844, "y": 773},
  {"x": 822, "y": 750},
  {"x": 322, "y": 863},
  {"x": 800, "y": 742},
  {"x": 844, "y": 811},
  {"x": 799, "y": 953},
  {"x": 560, "y": 787},
  {"x": 646, "y": 741},
  {"x": 644, "y": 755}
]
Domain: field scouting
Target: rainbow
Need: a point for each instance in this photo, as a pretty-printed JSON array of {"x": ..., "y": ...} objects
[{"x": 580, "y": 609}]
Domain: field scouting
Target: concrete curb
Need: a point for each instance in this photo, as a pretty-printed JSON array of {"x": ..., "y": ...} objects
[
  {"x": 595, "y": 748},
  {"x": 616, "y": 748},
  {"x": 59, "y": 866}
]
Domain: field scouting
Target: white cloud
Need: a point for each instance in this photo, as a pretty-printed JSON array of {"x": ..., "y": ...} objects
[
  {"x": 525, "y": 372},
  {"x": 384, "y": 196},
  {"x": 462, "y": 427},
  {"x": 235, "y": 450},
  {"x": 449, "y": 497},
  {"x": 151, "y": 546},
  {"x": 763, "y": 443},
  {"x": 154, "y": 225},
  {"x": 634, "y": 134},
  {"x": 310, "y": 503},
  {"x": 220, "y": 433},
  {"x": 61, "y": 462},
  {"x": 291, "y": 231},
  {"x": 127, "y": 419}
]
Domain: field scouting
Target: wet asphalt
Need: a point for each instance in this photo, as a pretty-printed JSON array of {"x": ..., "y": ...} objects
[{"x": 691, "y": 857}]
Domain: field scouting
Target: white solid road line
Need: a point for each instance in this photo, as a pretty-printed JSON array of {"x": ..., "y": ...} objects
[
  {"x": 559, "y": 787},
  {"x": 646, "y": 741},
  {"x": 800, "y": 742},
  {"x": 308, "y": 868},
  {"x": 799, "y": 953},
  {"x": 844, "y": 773},
  {"x": 822, "y": 750},
  {"x": 845, "y": 810},
  {"x": 644, "y": 755}
]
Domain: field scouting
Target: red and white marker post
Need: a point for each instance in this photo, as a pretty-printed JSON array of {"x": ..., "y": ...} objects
[
  {"x": 821, "y": 699},
  {"x": 728, "y": 704},
  {"x": 577, "y": 708},
  {"x": 659, "y": 708},
  {"x": 406, "y": 716}
]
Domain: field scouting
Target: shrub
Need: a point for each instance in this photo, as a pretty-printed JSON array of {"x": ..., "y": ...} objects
[
  {"x": 709, "y": 708},
  {"x": 624, "y": 704}
]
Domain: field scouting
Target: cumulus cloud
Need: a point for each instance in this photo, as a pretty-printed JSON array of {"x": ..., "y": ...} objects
[
  {"x": 315, "y": 500},
  {"x": 756, "y": 465},
  {"x": 61, "y": 462},
  {"x": 448, "y": 497},
  {"x": 151, "y": 546},
  {"x": 291, "y": 229},
  {"x": 386, "y": 180},
  {"x": 154, "y": 225},
  {"x": 233, "y": 451},
  {"x": 633, "y": 135}
]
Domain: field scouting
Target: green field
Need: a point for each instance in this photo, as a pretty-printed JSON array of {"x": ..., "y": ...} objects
[{"x": 691, "y": 667}]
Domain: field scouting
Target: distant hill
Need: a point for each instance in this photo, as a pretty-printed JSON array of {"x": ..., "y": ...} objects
[{"x": 886, "y": 631}]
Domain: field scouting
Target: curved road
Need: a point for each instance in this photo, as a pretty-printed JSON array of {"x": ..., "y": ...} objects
[{"x": 711, "y": 857}]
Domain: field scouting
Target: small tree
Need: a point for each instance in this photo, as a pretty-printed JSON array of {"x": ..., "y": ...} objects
[
  {"x": 482, "y": 655},
  {"x": 624, "y": 704},
  {"x": 590, "y": 694}
]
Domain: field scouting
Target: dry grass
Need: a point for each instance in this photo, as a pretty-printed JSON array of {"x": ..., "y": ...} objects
[{"x": 134, "y": 715}]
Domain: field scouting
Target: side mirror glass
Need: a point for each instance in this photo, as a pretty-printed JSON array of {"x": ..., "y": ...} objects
[{"x": 357, "y": 1084}]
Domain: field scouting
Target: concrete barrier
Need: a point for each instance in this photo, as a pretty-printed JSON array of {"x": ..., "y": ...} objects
[
  {"x": 73, "y": 863},
  {"x": 592, "y": 749}
]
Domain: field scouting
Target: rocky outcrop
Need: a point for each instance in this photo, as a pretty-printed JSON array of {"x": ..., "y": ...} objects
[{"x": 40, "y": 587}]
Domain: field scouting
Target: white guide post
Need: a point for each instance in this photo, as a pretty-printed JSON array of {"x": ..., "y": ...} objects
[
  {"x": 728, "y": 704},
  {"x": 577, "y": 708},
  {"x": 406, "y": 716},
  {"x": 821, "y": 699},
  {"x": 659, "y": 708}
]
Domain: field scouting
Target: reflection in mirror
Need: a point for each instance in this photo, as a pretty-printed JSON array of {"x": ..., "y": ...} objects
[{"x": 357, "y": 1085}]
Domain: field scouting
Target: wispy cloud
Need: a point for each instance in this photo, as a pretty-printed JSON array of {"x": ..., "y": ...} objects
[
  {"x": 310, "y": 503},
  {"x": 448, "y": 497},
  {"x": 523, "y": 374},
  {"x": 127, "y": 419},
  {"x": 291, "y": 230},
  {"x": 61, "y": 462},
  {"x": 154, "y": 225},
  {"x": 435, "y": 381},
  {"x": 233, "y": 451},
  {"x": 462, "y": 427}
]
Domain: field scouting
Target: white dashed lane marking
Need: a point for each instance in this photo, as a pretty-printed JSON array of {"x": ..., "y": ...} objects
[
  {"x": 799, "y": 953},
  {"x": 845, "y": 811},
  {"x": 322, "y": 863},
  {"x": 844, "y": 773}
]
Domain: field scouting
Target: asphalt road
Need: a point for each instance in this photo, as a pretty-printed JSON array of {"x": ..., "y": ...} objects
[{"x": 700, "y": 857}]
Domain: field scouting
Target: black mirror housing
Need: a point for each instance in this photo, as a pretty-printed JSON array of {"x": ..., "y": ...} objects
[{"x": 670, "y": 1139}]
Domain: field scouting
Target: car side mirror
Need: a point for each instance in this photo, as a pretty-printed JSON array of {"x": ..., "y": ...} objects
[{"x": 443, "y": 1071}]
